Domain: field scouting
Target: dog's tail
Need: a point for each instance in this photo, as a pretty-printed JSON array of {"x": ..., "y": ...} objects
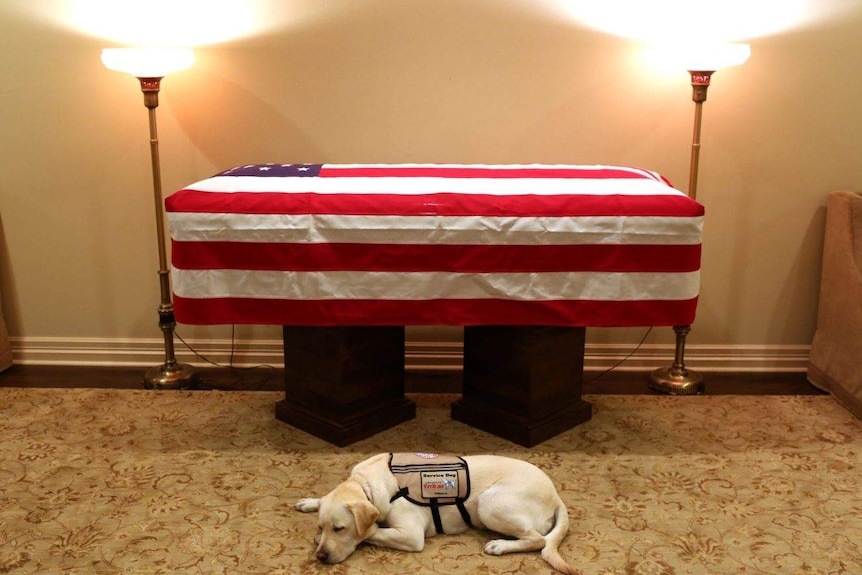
[{"x": 550, "y": 552}]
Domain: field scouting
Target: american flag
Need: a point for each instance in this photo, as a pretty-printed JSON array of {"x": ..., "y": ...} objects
[{"x": 435, "y": 244}]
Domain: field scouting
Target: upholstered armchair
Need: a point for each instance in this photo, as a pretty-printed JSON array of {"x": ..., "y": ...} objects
[
  {"x": 835, "y": 362},
  {"x": 5, "y": 348}
]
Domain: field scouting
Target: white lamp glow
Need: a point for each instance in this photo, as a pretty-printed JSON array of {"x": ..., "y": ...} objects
[
  {"x": 148, "y": 62},
  {"x": 176, "y": 22},
  {"x": 705, "y": 58},
  {"x": 691, "y": 21}
]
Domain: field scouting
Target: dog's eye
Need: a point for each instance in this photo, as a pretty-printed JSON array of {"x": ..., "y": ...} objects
[{"x": 337, "y": 529}]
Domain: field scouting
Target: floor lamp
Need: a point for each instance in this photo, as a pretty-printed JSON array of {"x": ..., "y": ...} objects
[
  {"x": 677, "y": 379},
  {"x": 150, "y": 66}
]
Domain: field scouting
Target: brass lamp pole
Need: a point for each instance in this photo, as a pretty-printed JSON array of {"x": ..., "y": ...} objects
[
  {"x": 678, "y": 379},
  {"x": 150, "y": 66},
  {"x": 699, "y": 85}
]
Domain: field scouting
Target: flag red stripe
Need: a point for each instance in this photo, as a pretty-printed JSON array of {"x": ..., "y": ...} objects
[
  {"x": 435, "y": 257},
  {"x": 443, "y": 204},
  {"x": 434, "y": 312}
]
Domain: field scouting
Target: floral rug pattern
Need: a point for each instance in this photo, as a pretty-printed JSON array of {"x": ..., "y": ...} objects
[{"x": 99, "y": 481}]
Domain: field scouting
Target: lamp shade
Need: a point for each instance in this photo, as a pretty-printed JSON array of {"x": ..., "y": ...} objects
[
  {"x": 701, "y": 58},
  {"x": 148, "y": 62}
]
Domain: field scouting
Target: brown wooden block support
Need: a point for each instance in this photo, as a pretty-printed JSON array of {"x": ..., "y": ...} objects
[
  {"x": 344, "y": 383},
  {"x": 523, "y": 383}
]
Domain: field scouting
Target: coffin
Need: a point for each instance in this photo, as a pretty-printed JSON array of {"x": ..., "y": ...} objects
[{"x": 417, "y": 244}]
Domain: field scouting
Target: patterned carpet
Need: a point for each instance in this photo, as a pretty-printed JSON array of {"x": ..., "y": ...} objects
[{"x": 126, "y": 481}]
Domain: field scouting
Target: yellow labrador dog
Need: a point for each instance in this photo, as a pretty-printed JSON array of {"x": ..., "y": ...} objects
[{"x": 397, "y": 500}]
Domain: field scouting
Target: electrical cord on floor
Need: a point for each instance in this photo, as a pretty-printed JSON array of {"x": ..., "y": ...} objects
[
  {"x": 240, "y": 380},
  {"x": 623, "y": 360}
]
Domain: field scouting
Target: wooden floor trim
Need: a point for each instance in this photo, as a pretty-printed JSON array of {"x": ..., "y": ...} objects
[{"x": 417, "y": 381}]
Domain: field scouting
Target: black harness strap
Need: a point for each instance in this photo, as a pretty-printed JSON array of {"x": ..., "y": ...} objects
[
  {"x": 435, "y": 510},
  {"x": 435, "y": 515},
  {"x": 401, "y": 493},
  {"x": 463, "y": 511}
]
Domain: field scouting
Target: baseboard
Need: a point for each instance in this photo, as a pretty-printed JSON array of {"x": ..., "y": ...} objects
[
  {"x": 706, "y": 358},
  {"x": 420, "y": 355}
]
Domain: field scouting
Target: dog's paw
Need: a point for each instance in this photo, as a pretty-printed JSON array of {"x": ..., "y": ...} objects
[
  {"x": 496, "y": 547},
  {"x": 307, "y": 505}
]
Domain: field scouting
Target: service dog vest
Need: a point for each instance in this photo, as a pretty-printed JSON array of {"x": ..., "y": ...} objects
[{"x": 432, "y": 480}]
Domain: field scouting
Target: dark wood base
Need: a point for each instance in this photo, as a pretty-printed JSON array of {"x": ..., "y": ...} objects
[
  {"x": 343, "y": 384},
  {"x": 344, "y": 431},
  {"x": 523, "y": 383},
  {"x": 518, "y": 429}
]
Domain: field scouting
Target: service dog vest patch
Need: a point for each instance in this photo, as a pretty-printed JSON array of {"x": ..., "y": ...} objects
[{"x": 432, "y": 480}]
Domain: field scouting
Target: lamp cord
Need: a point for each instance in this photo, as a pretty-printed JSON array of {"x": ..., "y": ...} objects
[
  {"x": 238, "y": 370},
  {"x": 623, "y": 360}
]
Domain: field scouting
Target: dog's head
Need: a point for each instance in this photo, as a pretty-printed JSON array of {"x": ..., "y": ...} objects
[{"x": 345, "y": 519}]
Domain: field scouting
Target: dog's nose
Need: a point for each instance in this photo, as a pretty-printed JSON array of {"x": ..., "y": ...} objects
[{"x": 322, "y": 556}]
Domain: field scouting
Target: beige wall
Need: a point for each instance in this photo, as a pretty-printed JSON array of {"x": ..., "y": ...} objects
[{"x": 417, "y": 81}]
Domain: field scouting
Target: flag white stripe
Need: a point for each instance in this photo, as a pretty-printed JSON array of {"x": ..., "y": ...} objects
[
  {"x": 462, "y": 230},
  {"x": 500, "y": 167},
  {"x": 422, "y": 185},
  {"x": 333, "y": 285}
]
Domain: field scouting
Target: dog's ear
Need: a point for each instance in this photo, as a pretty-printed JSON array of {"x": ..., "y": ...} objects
[{"x": 365, "y": 514}]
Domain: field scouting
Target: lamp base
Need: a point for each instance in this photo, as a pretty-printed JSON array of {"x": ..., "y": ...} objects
[
  {"x": 176, "y": 376},
  {"x": 676, "y": 380}
]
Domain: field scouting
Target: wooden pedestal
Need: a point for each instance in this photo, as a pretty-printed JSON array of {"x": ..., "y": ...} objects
[
  {"x": 523, "y": 383},
  {"x": 343, "y": 384}
]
